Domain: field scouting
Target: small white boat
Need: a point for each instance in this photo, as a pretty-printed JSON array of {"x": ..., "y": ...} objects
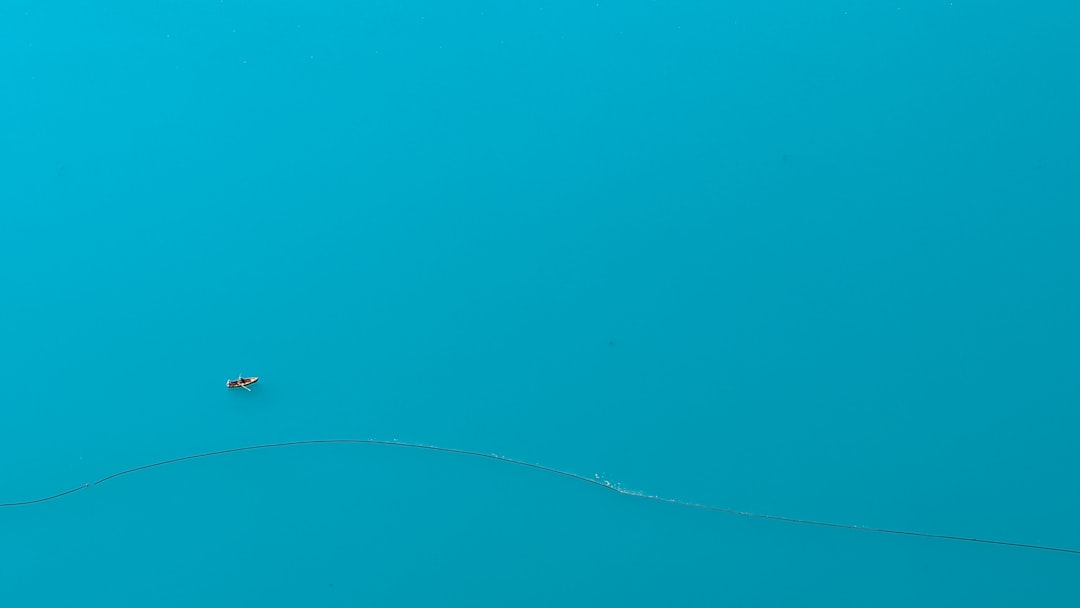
[{"x": 242, "y": 382}]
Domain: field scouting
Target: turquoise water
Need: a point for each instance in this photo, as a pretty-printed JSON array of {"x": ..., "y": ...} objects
[{"x": 807, "y": 259}]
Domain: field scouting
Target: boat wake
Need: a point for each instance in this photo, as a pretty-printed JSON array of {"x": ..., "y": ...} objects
[{"x": 595, "y": 480}]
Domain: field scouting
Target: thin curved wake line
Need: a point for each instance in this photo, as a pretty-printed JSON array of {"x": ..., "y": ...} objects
[{"x": 596, "y": 482}]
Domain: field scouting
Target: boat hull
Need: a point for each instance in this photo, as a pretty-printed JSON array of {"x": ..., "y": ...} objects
[{"x": 241, "y": 382}]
